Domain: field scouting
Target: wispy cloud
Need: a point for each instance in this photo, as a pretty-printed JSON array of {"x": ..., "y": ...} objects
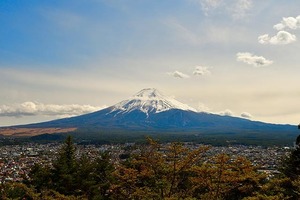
[
  {"x": 208, "y": 5},
  {"x": 198, "y": 71},
  {"x": 34, "y": 109},
  {"x": 240, "y": 8},
  {"x": 184, "y": 32},
  {"x": 282, "y": 37},
  {"x": 201, "y": 70},
  {"x": 236, "y": 8},
  {"x": 256, "y": 61},
  {"x": 178, "y": 74},
  {"x": 246, "y": 115}
]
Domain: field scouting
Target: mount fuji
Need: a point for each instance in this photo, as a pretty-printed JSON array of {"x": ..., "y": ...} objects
[
  {"x": 151, "y": 111},
  {"x": 146, "y": 110}
]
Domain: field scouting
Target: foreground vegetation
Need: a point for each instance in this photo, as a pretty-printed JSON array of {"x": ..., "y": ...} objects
[{"x": 154, "y": 172}]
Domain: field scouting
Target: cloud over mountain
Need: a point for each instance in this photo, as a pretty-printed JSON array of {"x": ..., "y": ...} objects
[
  {"x": 256, "y": 61},
  {"x": 226, "y": 112},
  {"x": 246, "y": 115},
  {"x": 33, "y": 108}
]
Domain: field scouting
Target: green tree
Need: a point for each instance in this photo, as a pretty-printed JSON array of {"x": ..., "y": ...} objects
[
  {"x": 102, "y": 176},
  {"x": 68, "y": 175},
  {"x": 64, "y": 169},
  {"x": 40, "y": 177},
  {"x": 84, "y": 179},
  {"x": 52, "y": 194},
  {"x": 17, "y": 191},
  {"x": 291, "y": 164}
]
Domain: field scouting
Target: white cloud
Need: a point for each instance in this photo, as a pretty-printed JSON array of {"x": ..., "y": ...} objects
[
  {"x": 226, "y": 112},
  {"x": 279, "y": 27},
  {"x": 256, "y": 61},
  {"x": 246, "y": 115},
  {"x": 201, "y": 70},
  {"x": 34, "y": 109},
  {"x": 178, "y": 74},
  {"x": 288, "y": 23},
  {"x": 282, "y": 37}
]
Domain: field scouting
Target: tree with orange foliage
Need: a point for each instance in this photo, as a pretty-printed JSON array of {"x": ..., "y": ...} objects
[
  {"x": 225, "y": 178},
  {"x": 158, "y": 173}
]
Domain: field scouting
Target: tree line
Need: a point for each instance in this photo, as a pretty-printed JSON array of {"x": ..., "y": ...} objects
[{"x": 156, "y": 172}]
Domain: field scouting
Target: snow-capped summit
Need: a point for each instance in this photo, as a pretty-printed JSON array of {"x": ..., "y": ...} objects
[{"x": 150, "y": 100}]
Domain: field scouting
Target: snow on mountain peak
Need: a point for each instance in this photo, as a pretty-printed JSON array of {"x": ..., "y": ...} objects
[
  {"x": 150, "y": 100},
  {"x": 148, "y": 93}
]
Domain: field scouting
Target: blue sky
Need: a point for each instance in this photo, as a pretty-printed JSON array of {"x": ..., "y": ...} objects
[{"x": 234, "y": 57}]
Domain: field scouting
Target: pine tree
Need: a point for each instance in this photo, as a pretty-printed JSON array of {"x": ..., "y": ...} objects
[
  {"x": 291, "y": 164},
  {"x": 40, "y": 177},
  {"x": 17, "y": 191},
  {"x": 84, "y": 176},
  {"x": 102, "y": 176},
  {"x": 64, "y": 168}
]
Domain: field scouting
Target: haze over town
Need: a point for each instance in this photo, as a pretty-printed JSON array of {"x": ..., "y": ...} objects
[{"x": 66, "y": 58}]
